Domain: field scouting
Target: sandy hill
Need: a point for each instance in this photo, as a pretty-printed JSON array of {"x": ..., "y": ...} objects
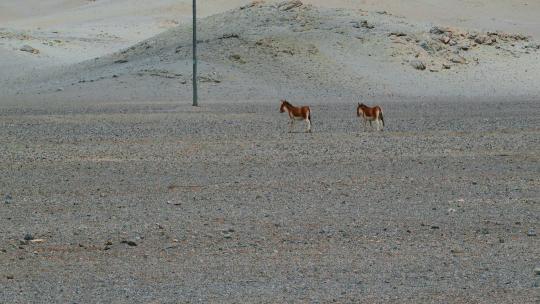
[{"x": 296, "y": 50}]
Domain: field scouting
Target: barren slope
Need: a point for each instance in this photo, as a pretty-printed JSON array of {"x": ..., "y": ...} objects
[{"x": 270, "y": 50}]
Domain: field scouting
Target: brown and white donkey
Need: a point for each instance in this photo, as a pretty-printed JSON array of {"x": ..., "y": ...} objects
[{"x": 370, "y": 114}]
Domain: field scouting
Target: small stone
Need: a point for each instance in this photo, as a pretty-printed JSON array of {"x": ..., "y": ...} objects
[
  {"x": 8, "y": 199},
  {"x": 365, "y": 24},
  {"x": 531, "y": 232},
  {"x": 537, "y": 270},
  {"x": 10, "y": 277},
  {"x": 397, "y": 34},
  {"x": 445, "y": 39},
  {"x": 434, "y": 227},
  {"x": 464, "y": 46},
  {"x": 130, "y": 243},
  {"x": 28, "y": 237},
  {"x": 288, "y": 5},
  {"x": 29, "y": 49},
  {"x": 417, "y": 64},
  {"x": 458, "y": 59},
  {"x": 437, "y": 30}
]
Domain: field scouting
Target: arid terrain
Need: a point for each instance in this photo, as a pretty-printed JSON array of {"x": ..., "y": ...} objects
[{"x": 115, "y": 190}]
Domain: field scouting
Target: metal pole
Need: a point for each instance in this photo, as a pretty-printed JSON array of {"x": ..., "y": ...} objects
[{"x": 195, "y": 97}]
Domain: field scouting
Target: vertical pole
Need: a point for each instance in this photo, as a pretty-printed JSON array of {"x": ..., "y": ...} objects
[{"x": 195, "y": 97}]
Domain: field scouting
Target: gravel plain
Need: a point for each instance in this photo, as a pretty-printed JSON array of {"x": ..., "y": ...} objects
[{"x": 160, "y": 203}]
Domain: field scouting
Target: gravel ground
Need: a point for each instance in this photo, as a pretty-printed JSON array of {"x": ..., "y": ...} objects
[{"x": 154, "y": 203}]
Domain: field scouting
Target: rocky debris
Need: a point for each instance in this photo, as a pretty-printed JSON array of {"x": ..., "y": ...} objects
[
  {"x": 129, "y": 243},
  {"x": 437, "y": 30},
  {"x": 237, "y": 58},
  {"x": 158, "y": 73},
  {"x": 445, "y": 39},
  {"x": 250, "y": 5},
  {"x": 227, "y": 232},
  {"x": 229, "y": 36},
  {"x": 485, "y": 39},
  {"x": 209, "y": 79},
  {"x": 108, "y": 245},
  {"x": 417, "y": 64},
  {"x": 28, "y": 237},
  {"x": 531, "y": 232},
  {"x": 29, "y": 49},
  {"x": 10, "y": 277},
  {"x": 121, "y": 61},
  {"x": 537, "y": 270},
  {"x": 397, "y": 34},
  {"x": 445, "y": 45},
  {"x": 8, "y": 198},
  {"x": 289, "y": 5},
  {"x": 458, "y": 59},
  {"x": 365, "y": 24}
]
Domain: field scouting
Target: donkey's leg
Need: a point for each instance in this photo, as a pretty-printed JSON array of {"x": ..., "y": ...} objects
[
  {"x": 308, "y": 125},
  {"x": 291, "y": 125}
]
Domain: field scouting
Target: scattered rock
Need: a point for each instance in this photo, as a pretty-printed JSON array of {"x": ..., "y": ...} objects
[
  {"x": 10, "y": 277},
  {"x": 434, "y": 227},
  {"x": 417, "y": 64},
  {"x": 445, "y": 39},
  {"x": 237, "y": 58},
  {"x": 252, "y": 4},
  {"x": 460, "y": 60},
  {"x": 229, "y": 36},
  {"x": 8, "y": 198},
  {"x": 130, "y": 243},
  {"x": 121, "y": 61},
  {"x": 288, "y": 5},
  {"x": 485, "y": 39},
  {"x": 365, "y": 24},
  {"x": 208, "y": 79},
  {"x": 465, "y": 46},
  {"x": 531, "y": 232},
  {"x": 397, "y": 34},
  {"x": 537, "y": 270},
  {"x": 28, "y": 237},
  {"x": 29, "y": 49},
  {"x": 437, "y": 30}
]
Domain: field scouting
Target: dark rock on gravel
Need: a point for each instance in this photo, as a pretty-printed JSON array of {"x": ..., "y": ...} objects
[
  {"x": 29, "y": 49},
  {"x": 417, "y": 64}
]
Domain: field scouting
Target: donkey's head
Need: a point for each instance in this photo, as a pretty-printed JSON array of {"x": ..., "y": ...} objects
[
  {"x": 359, "y": 108},
  {"x": 283, "y": 105}
]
